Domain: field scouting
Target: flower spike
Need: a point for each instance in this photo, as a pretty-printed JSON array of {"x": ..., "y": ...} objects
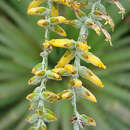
[{"x": 69, "y": 64}]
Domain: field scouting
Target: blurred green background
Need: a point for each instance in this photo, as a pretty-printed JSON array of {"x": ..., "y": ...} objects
[{"x": 20, "y": 46}]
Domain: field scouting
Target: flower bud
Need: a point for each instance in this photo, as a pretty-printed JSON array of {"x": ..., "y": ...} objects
[
  {"x": 65, "y": 43},
  {"x": 88, "y": 120},
  {"x": 37, "y": 70},
  {"x": 47, "y": 114},
  {"x": 43, "y": 23},
  {"x": 65, "y": 59},
  {"x": 90, "y": 58},
  {"x": 75, "y": 83},
  {"x": 32, "y": 118},
  {"x": 59, "y": 30},
  {"x": 34, "y": 80},
  {"x": 66, "y": 94},
  {"x": 85, "y": 93},
  {"x": 58, "y": 20},
  {"x": 88, "y": 74},
  {"x": 35, "y": 3},
  {"x": 70, "y": 69},
  {"x": 60, "y": 71},
  {"x": 53, "y": 75},
  {"x": 31, "y": 106},
  {"x": 31, "y": 96},
  {"x": 50, "y": 96},
  {"x": 37, "y": 11},
  {"x": 47, "y": 46},
  {"x": 49, "y": 117}
]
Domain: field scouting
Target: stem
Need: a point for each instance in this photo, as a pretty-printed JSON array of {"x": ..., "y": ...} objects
[
  {"x": 42, "y": 87},
  {"x": 75, "y": 125},
  {"x": 81, "y": 37}
]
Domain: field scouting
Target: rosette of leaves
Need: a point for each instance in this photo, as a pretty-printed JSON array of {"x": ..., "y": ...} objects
[{"x": 19, "y": 52}]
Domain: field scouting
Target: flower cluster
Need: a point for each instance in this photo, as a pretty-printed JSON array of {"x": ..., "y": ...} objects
[{"x": 69, "y": 64}]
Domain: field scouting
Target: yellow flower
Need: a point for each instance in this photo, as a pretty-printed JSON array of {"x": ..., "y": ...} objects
[
  {"x": 37, "y": 11},
  {"x": 38, "y": 71},
  {"x": 43, "y": 23},
  {"x": 90, "y": 58},
  {"x": 75, "y": 83},
  {"x": 70, "y": 69},
  {"x": 65, "y": 43},
  {"x": 88, "y": 74},
  {"x": 83, "y": 47},
  {"x": 50, "y": 96},
  {"x": 66, "y": 94},
  {"x": 35, "y": 3},
  {"x": 54, "y": 9},
  {"x": 58, "y": 19},
  {"x": 60, "y": 71},
  {"x": 65, "y": 59},
  {"x": 59, "y": 30},
  {"x": 53, "y": 75},
  {"x": 85, "y": 93}
]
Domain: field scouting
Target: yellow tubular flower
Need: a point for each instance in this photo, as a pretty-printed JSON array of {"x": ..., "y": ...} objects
[
  {"x": 66, "y": 94},
  {"x": 88, "y": 74},
  {"x": 65, "y": 43},
  {"x": 37, "y": 11},
  {"x": 58, "y": 19},
  {"x": 43, "y": 23},
  {"x": 59, "y": 30},
  {"x": 60, "y": 71},
  {"x": 65, "y": 59},
  {"x": 70, "y": 69},
  {"x": 85, "y": 93},
  {"x": 83, "y": 47},
  {"x": 90, "y": 58},
  {"x": 53, "y": 75},
  {"x": 54, "y": 9},
  {"x": 35, "y": 3},
  {"x": 75, "y": 83}
]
